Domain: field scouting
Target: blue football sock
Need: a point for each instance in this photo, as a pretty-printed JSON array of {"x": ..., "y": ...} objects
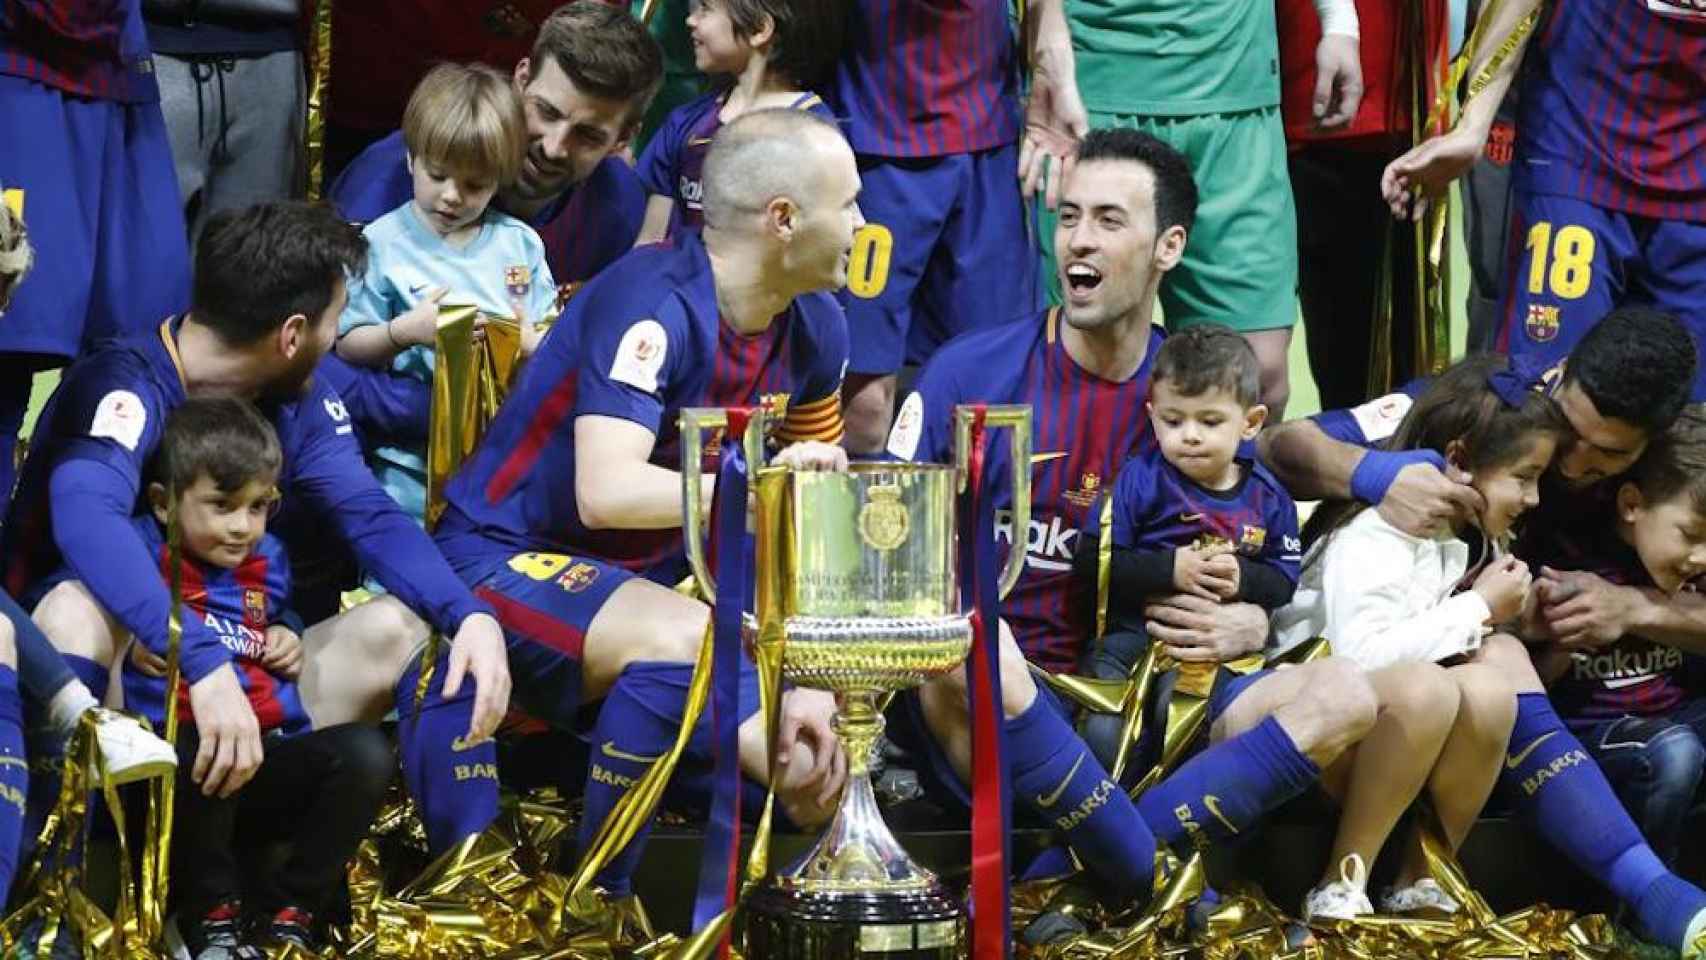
[
  {"x": 1055, "y": 774},
  {"x": 637, "y": 723},
  {"x": 455, "y": 786},
  {"x": 90, "y": 674},
  {"x": 1564, "y": 795},
  {"x": 1223, "y": 790},
  {"x": 14, "y": 776}
]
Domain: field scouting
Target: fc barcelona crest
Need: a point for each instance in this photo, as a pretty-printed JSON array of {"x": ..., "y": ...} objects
[
  {"x": 1542, "y": 322},
  {"x": 1253, "y": 538},
  {"x": 517, "y": 279},
  {"x": 883, "y": 521},
  {"x": 255, "y": 608}
]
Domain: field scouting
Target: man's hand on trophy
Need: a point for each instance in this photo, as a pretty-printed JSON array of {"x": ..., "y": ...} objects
[
  {"x": 811, "y": 767},
  {"x": 812, "y": 455}
]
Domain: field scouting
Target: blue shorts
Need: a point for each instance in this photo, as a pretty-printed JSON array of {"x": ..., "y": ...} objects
[
  {"x": 545, "y": 603},
  {"x": 1572, "y": 262},
  {"x": 100, "y": 201},
  {"x": 909, "y": 731},
  {"x": 946, "y": 248}
]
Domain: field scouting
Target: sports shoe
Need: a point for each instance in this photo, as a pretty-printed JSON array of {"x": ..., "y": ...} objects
[
  {"x": 290, "y": 925},
  {"x": 131, "y": 751},
  {"x": 218, "y": 936},
  {"x": 1344, "y": 898},
  {"x": 1423, "y": 895},
  {"x": 1694, "y": 939}
]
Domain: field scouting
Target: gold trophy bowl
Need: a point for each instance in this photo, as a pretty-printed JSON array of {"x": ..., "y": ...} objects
[{"x": 857, "y": 574}]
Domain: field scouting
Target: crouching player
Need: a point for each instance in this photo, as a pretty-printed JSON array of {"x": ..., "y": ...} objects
[{"x": 218, "y": 468}]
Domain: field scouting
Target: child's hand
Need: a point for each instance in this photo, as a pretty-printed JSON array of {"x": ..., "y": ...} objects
[
  {"x": 284, "y": 652},
  {"x": 1224, "y": 566},
  {"x": 419, "y": 326},
  {"x": 150, "y": 663},
  {"x": 1194, "y": 572},
  {"x": 1504, "y": 585}
]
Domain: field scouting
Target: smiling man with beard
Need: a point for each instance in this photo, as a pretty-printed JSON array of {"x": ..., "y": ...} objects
[
  {"x": 267, "y": 293},
  {"x": 585, "y": 87}
]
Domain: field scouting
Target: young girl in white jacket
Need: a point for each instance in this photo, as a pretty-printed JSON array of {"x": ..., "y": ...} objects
[{"x": 1418, "y": 612}]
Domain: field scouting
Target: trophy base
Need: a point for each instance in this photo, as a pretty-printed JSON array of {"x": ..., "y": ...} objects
[{"x": 783, "y": 924}]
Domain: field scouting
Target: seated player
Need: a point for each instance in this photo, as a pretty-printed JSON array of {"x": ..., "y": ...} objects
[
  {"x": 1420, "y": 609},
  {"x": 759, "y": 54},
  {"x": 1624, "y": 383},
  {"x": 465, "y": 134},
  {"x": 1085, "y": 370},
  {"x": 576, "y": 488},
  {"x": 585, "y": 86},
  {"x": 217, "y": 468},
  {"x": 1629, "y": 700},
  {"x": 15, "y": 256},
  {"x": 1191, "y": 513},
  {"x": 268, "y": 291}
]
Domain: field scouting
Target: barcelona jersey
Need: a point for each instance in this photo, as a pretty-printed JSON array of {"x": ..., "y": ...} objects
[
  {"x": 1084, "y": 429},
  {"x": 232, "y": 609},
  {"x": 639, "y": 343}
]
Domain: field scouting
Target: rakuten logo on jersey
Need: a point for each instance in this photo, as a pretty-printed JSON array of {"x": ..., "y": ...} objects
[
  {"x": 1048, "y": 546},
  {"x": 1621, "y": 666}
]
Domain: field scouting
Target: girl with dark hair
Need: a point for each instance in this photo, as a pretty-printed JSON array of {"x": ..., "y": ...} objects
[{"x": 1419, "y": 610}]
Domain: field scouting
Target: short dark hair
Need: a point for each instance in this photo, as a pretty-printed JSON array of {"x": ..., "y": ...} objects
[
  {"x": 223, "y": 437},
  {"x": 604, "y": 51},
  {"x": 807, "y": 38},
  {"x": 1674, "y": 464},
  {"x": 1175, "y": 189},
  {"x": 1636, "y": 365},
  {"x": 257, "y": 266},
  {"x": 1206, "y": 356}
]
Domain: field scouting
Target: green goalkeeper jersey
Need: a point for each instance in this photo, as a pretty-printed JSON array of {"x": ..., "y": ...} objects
[{"x": 1175, "y": 57}]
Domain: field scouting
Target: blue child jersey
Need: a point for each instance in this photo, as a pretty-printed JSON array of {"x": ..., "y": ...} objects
[
  {"x": 406, "y": 261},
  {"x": 233, "y": 609}
]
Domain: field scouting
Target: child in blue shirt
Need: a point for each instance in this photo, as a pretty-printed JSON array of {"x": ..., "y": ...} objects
[
  {"x": 466, "y": 135},
  {"x": 320, "y": 789},
  {"x": 763, "y": 54},
  {"x": 1193, "y": 513}
]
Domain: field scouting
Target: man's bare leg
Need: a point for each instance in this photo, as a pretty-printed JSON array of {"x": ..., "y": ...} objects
[
  {"x": 867, "y": 407},
  {"x": 351, "y": 662}
]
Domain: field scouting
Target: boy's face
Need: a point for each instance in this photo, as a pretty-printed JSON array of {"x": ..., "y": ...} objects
[
  {"x": 218, "y": 527},
  {"x": 1669, "y": 536},
  {"x": 716, "y": 49},
  {"x": 447, "y": 202},
  {"x": 1201, "y": 434},
  {"x": 1513, "y": 489}
]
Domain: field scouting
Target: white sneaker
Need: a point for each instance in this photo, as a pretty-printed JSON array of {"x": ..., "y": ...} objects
[
  {"x": 131, "y": 751},
  {"x": 1425, "y": 894},
  {"x": 1343, "y": 899}
]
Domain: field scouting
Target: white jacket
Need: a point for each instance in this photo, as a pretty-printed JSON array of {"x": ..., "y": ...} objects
[{"x": 1381, "y": 596}]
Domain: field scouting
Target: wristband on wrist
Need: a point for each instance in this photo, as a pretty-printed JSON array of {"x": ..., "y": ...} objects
[{"x": 1377, "y": 469}]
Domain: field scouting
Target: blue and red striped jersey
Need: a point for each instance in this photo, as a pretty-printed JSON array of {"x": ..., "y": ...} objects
[
  {"x": 1634, "y": 676},
  {"x": 673, "y": 163},
  {"x": 1083, "y": 429},
  {"x": 1614, "y": 107},
  {"x": 585, "y": 229},
  {"x": 233, "y": 609},
  {"x": 88, "y": 48},
  {"x": 640, "y": 342},
  {"x": 1156, "y": 507},
  {"x": 928, "y": 78}
]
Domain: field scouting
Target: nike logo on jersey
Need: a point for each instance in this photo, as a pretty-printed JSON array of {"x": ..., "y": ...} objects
[
  {"x": 1189, "y": 517},
  {"x": 1515, "y": 760},
  {"x": 1037, "y": 458},
  {"x": 1049, "y": 799},
  {"x": 416, "y": 288},
  {"x": 609, "y": 750}
]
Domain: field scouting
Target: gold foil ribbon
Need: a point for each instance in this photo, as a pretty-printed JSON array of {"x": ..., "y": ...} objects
[
  {"x": 319, "y": 90},
  {"x": 472, "y": 374}
]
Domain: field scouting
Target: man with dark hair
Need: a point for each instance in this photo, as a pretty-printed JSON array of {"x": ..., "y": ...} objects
[
  {"x": 269, "y": 286},
  {"x": 585, "y": 87},
  {"x": 1085, "y": 370},
  {"x": 1641, "y": 364}
]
